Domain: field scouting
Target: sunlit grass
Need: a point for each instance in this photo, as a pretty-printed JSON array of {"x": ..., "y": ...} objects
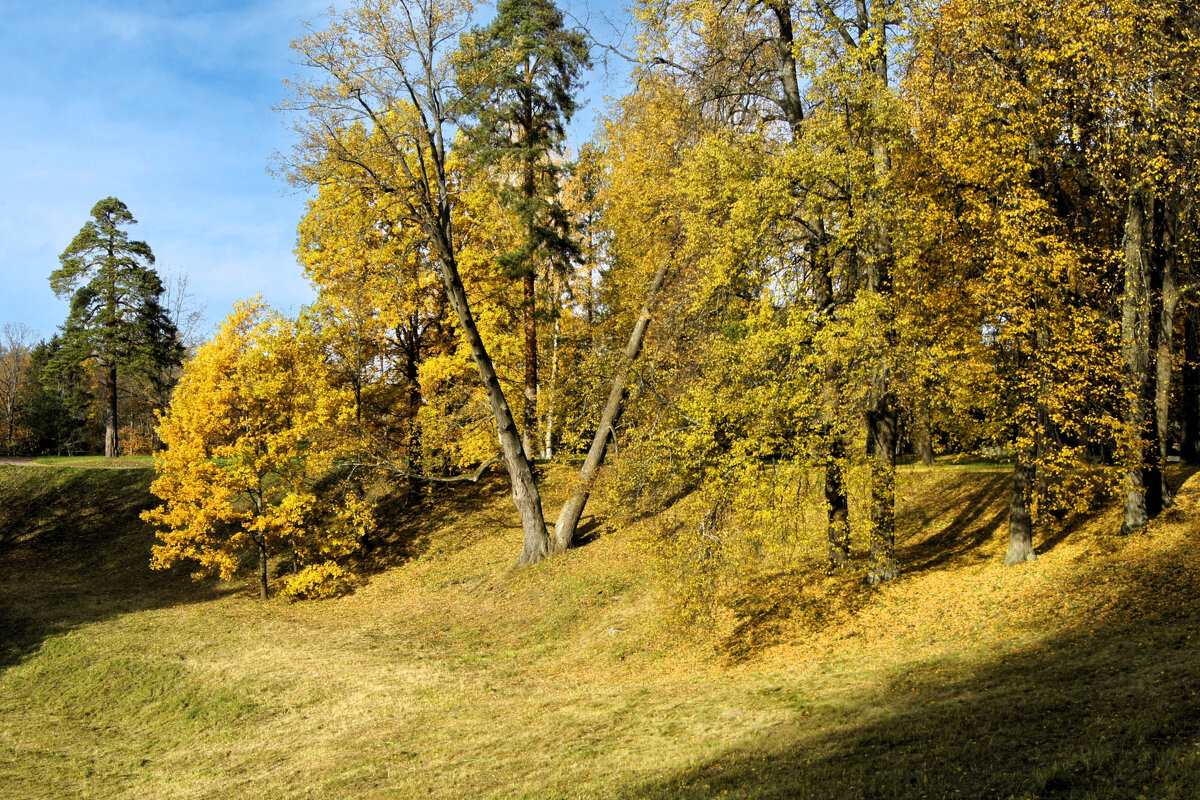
[
  {"x": 450, "y": 674},
  {"x": 121, "y": 462}
]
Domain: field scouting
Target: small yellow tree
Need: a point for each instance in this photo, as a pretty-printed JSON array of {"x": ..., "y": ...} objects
[{"x": 245, "y": 455}]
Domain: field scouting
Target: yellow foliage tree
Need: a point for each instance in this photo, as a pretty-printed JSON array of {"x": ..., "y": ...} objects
[
  {"x": 389, "y": 334},
  {"x": 242, "y": 474}
]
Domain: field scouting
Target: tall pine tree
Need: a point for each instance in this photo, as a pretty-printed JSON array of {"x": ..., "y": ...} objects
[
  {"x": 520, "y": 85},
  {"x": 117, "y": 322}
]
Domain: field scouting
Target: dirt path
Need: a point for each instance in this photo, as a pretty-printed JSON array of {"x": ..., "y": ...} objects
[{"x": 17, "y": 461}]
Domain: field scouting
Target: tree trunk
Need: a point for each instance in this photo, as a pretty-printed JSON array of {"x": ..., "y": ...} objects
[
  {"x": 572, "y": 510},
  {"x": 1020, "y": 521},
  {"x": 881, "y": 449},
  {"x": 1189, "y": 445},
  {"x": 525, "y": 492},
  {"x": 110, "y": 422},
  {"x": 548, "y": 448},
  {"x": 792, "y": 99},
  {"x": 837, "y": 507},
  {"x": 529, "y": 424},
  {"x": 412, "y": 373},
  {"x": 925, "y": 445},
  {"x": 1164, "y": 354},
  {"x": 1143, "y": 483},
  {"x": 883, "y": 417},
  {"x": 263, "y": 590}
]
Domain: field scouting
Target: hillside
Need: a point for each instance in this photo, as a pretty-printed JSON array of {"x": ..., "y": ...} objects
[{"x": 449, "y": 674}]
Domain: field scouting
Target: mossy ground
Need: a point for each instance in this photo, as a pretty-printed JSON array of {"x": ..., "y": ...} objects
[{"x": 449, "y": 674}]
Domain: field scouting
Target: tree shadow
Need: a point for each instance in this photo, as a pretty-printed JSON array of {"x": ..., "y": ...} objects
[
  {"x": 588, "y": 531},
  {"x": 974, "y": 526},
  {"x": 406, "y": 525},
  {"x": 1108, "y": 707},
  {"x": 73, "y": 551},
  {"x": 772, "y": 607},
  {"x": 1176, "y": 476}
]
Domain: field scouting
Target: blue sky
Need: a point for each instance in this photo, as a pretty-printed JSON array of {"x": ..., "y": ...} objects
[{"x": 167, "y": 106}]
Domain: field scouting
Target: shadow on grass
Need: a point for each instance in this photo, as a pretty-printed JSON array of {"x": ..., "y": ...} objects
[
  {"x": 774, "y": 604},
  {"x": 73, "y": 551},
  {"x": 406, "y": 525},
  {"x": 453, "y": 514},
  {"x": 983, "y": 508},
  {"x": 1108, "y": 708}
]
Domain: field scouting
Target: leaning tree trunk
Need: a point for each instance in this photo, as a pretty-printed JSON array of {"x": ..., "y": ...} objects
[
  {"x": 572, "y": 510},
  {"x": 1020, "y": 520},
  {"x": 1143, "y": 483},
  {"x": 525, "y": 492},
  {"x": 110, "y": 423}
]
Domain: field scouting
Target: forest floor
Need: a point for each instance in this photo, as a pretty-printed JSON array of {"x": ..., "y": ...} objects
[{"x": 450, "y": 674}]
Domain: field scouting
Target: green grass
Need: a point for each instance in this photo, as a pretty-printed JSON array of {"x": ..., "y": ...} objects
[
  {"x": 956, "y": 461},
  {"x": 97, "y": 462},
  {"x": 450, "y": 675}
]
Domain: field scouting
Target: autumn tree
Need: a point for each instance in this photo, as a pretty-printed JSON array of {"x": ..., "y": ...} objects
[
  {"x": 242, "y": 478},
  {"x": 116, "y": 321},
  {"x": 376, "y": 311},
  {"x": 636, "y": 191},
  {"x": 812, "y": 85},
  {"x": 380, "y": 101},
  {"x": 16, "y": 345},
  {"x": 389, "y": 336},
  {"x": 519, "y": 77}
]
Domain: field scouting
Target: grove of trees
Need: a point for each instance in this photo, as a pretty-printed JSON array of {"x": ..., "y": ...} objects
[{"x": 814, "y": 237}]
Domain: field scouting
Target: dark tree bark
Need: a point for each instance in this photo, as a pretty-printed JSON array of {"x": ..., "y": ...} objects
[
  {"x": 572, "y": 510},
  {"x": 1189, "y": 445},
  {"x": 529, "y": 422},
  {"x": 881, "y": 451},
  {"x": 837, "y": 507},
  {"x": 1164, "y": 355},
  {"x": 883, "y": 417},
  {"x": 524, "y": 488},
  {"x": 548, "y": 443},
  {"x": 925, "y": 439},
  {"x": 1020, "y": 520},
  {"x": 411, "y": 374},
  {"x": 263, "y": 589},
  {"x": 1139, "y": 328},
  {"x": 110, "y": 422},
  {"x": 792, "y": 100}
]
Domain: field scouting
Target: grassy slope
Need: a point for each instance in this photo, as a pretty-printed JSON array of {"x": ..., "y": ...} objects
[{"x": 451, "y": 675}]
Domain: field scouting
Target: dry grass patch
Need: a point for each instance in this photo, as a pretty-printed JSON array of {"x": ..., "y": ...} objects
[{"x": 450, "y": 674}]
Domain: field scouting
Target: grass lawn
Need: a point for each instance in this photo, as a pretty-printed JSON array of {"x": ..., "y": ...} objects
[
  {"x": 449, "y": 674},
  {"x": 97, "y": 462}
]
